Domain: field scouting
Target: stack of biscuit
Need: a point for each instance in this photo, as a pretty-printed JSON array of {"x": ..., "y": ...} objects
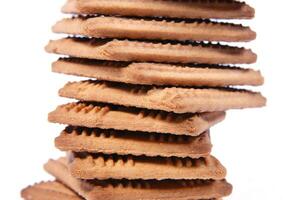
[{"x": 159, "y": 80}]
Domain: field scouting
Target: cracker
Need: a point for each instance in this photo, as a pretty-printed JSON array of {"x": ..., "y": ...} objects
[
  {"x": 81, "y": 139},
  {"x": 51, "y": 190},
  {"x": 102, "y": 167},
  {"x": 126, "y": 50},
  {"x": 170, "y": 99},
  {"x": 218, "y": 9},
  {"x": 118, "y": 27},
  {"x": 95, "y": 115},
  {"x": 158, "y": 74},
  {"x": 139, "y": 189}
]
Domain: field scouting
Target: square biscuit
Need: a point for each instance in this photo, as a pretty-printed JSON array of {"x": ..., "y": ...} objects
[
  {"x": 103, "y": 166},
  {"x": 154, "y": 29},
  {"x": 169, "y": 99},
  {"x": 82, "y": 139},
  {"x": 96, "y": 115},
  {"x": 159, "y": 73},
  {"x": 217, "y": 9},
  {"x": 170, "y": 52}
]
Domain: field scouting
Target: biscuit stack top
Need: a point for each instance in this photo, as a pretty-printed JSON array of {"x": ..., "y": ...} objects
[{"x": 159, "y": 80}]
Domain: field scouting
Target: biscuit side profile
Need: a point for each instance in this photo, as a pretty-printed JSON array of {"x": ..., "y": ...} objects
[
  {"x": 155, "y": 29},
  {"x": 158, "y": 73},
  {"x": 96, "y": 115},
  {"x": 102, "y": 166},
  {"x": 82, "y": 139},
  {"x": 127, "y": 50},
  {"x": 170, "y": 99},
  {"x": 217, "y": 9}
]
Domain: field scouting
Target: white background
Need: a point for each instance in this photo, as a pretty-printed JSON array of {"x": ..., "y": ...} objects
[{"x": 260, "y": 147}]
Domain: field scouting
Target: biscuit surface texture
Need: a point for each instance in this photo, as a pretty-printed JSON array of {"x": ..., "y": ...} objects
[
  {"x": 102, "y": 167},
  {"x": 118, "y": 27},
  {"x": 80, "y": 139},
  {"x": 95, "y": 115},
  {"x": 217, "y": 9},
  {"x": 158, "y": 74},
  {"x": 126, "y": 50},
  {"x": 170, "y": 99}
]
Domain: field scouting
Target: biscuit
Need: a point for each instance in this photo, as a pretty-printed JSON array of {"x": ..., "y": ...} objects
[
  {"x": 158, "y": 74},
  {"x": 102, "y": 167},
  {"x": 170, "y": 99},
  {"x": 118, "y": 27},
  {"x": 95, "y": 115},
  {"x": 217, "y": 9},
  {"x": 139, "y": 189},
  {"x": 126, "y": 50},
  {"x": 81, "y": 139},
  {"x": 51, "y": 190}
]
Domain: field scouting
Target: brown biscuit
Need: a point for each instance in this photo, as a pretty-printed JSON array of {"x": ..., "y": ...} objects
[
  {"x": 95, "y": 115},
  {"x": 102, "y": 167},
  {"x": 170, "y": 99},
  {"x": 51, "y": 190},
  {"x": 139, "y": 189},
  {"x": 158, "y": 74},
  {"x": 125, "y": 50},
  {"x": 218, "y": 9},
  {"x": 80, "y": 139},
  {"x": 118, "y": 27}
]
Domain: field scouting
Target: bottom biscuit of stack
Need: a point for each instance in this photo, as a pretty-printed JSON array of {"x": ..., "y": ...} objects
[{"x": 53, "y": 190}]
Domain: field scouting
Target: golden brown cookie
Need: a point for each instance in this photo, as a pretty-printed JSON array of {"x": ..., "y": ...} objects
[
  {"x": 170, "y": 99},
  {"x": 81, "y": 139},
  {"x": 103, "y": 167},
  {"x": 126, "y": 50},
  {"x": 53, "y": 190},
  {"x": 218, "y": 9},
  {"x": 95, "y": 115},
  {"x": 158, "y": 74},
  {"x": 120, "y": 27}
]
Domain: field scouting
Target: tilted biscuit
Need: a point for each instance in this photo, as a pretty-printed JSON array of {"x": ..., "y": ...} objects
[
  {"x": 158, "y": 74},
  {"x": 170, "y": 99},
  {"x": 126, "y": 50},
  {"x": 138, "y": 189},
  {"x": 102, "y": 167},
  {"x": 95, "y": 115},
  {"x": 51, "y": 190},
  {"x": 81, "y": 139},
  {"x": 118, "y": 27},
  {"x": 218, "y": 9}
]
